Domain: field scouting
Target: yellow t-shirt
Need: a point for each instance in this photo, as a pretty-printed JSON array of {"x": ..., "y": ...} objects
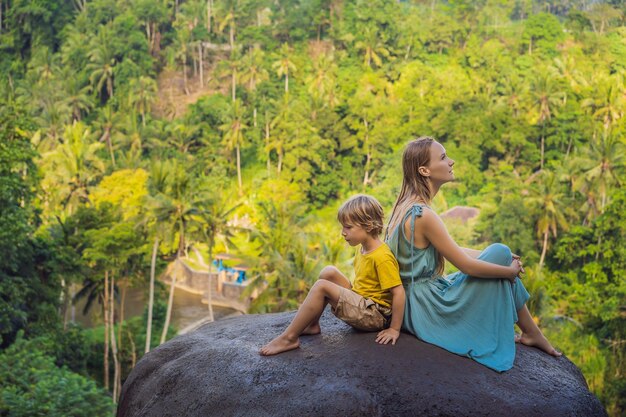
[{"x": 375, "y": 273}]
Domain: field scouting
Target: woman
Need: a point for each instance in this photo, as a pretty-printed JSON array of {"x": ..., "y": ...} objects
[{"x": 471, "y": 312}]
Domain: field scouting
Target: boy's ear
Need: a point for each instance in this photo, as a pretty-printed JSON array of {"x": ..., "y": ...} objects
[{"x": 424, "y": 172}]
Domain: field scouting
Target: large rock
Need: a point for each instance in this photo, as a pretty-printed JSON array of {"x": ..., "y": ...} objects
[{"x": 217, "y": 371}]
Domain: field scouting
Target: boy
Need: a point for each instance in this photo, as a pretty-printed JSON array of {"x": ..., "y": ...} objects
[{"x": 376, "y": 300}]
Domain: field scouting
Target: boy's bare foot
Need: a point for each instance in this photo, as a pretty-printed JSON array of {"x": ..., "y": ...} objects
[
  {"x": 279, "y": 345},
  {"x": 311, "y": 329},
  {"x": 539, "y": 341}
]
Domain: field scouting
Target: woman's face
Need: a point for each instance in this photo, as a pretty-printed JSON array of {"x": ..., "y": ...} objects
[{"x": 440, "y": 165}]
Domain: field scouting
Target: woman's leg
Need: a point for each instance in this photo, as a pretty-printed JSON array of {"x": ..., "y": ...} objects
[
  {"x": 322, "y": 292},
  {"x": 531, "y": 334},
  {"x": 332, "y": 274}
]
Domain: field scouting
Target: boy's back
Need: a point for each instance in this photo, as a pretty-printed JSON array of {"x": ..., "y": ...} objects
[{"x": 376, "y": 272}]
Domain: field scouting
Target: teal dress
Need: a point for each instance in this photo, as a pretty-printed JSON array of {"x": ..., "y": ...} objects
[{"x": 468, "y": 316}]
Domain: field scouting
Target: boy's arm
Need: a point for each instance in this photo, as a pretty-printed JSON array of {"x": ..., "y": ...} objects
[{"x": 397, "y": 314}]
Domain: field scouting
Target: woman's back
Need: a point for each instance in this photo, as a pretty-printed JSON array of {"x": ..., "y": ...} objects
[
  {"x": 415, "y": 263},
  {"x": 468, "y": 316}
]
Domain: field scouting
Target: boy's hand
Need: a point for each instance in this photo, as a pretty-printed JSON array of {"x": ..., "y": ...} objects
[{"x": 387, "y": 335}]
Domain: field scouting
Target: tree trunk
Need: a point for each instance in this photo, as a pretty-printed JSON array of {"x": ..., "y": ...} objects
[
  {"x": 287, "y": 82},
  {"x": 267, "y": 145},
  {"x": 233, "y": 83},
  {"x": 116, "y": 374},
  {"x": 155, "y": 249},
  {"x": 200, "y": 65},
  {"x": 133, "y": 350},
  {"x": 280, "y": 162},
  {"x": 149, "y": 36},
  {"x": 124, "y": 285},
  {"x": 239, "y": 171},
  {"x": 545, "y": 247},
  {"x": 64, "y": 297},
  {"x": 543, "y": 140},
  {"x": 254, "y": 117},
  {"x": 232, "y": 32},
  {"x": 209, "y": 12},
  {"x": 366, "y": 177},
  {"x": 170, "y": 301},
  {"x": 105, "y": 307},
  {"x": 185, "y": 76}
]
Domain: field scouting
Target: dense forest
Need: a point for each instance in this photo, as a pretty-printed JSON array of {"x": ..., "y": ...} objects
[{"x": 132, "y": 131}]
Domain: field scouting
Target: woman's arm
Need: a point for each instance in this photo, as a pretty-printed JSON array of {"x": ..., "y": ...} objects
[
  {"x": 471, "y": 252},
  {"x": 432, "y": 229}
]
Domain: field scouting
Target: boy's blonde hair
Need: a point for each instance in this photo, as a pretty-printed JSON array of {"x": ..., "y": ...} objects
[{"x": 363, "y": 211}]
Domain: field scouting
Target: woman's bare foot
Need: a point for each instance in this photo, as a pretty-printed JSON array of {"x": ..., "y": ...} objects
[
  {"x": 537, "y": 340},
  {"x": 279, "y": 345},
  {"x": 311, "y": 329}
]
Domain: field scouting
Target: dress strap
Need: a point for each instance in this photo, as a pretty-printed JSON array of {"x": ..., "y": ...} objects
[{"x": 415, "y": 211}]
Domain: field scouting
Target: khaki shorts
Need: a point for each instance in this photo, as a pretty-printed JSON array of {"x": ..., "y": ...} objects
[{"x": 361, "y": 313}]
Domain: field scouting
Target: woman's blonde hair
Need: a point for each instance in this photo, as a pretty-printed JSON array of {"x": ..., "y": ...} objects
[
  {"x": 415, "y": 187},
  {"x": 363, "y": 211}
]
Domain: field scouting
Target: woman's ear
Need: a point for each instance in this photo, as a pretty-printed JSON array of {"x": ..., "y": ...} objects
[{"x": 424, "y": 172}]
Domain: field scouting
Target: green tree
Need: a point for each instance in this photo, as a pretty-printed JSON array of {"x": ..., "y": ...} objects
[
  {"x": 284, "y": 64},
  {"x": 547, "y": 198},
  {"x": 233, "y": 138},
  {"x": 546, "y": 97},
  {"x": 102, "y": 61},
  {"x": 33, "y": 385}
]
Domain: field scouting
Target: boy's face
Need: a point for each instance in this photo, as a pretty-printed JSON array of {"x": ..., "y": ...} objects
[{"x": 353, "y": 234}]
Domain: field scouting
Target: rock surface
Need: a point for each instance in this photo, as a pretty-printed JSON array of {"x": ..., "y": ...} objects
[{"x": 217, "y": 371}]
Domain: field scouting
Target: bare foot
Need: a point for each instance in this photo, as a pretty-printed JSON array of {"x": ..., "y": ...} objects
[
  {"x": 539, "y": 341},
  {"x": 279, "y": 345},
  {"x": 311, "y": 329}
]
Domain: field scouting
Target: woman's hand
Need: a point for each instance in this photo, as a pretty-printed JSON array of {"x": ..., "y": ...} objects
[
  {"x": 516, "y": 269},
  {"x": 517, "y": 258}
]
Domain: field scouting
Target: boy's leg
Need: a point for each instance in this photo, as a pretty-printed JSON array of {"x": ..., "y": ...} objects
[
  {"x": 531, "y": 334},
  {"x": 322, "y": 292},
  {"x": 332, "y": 274}
]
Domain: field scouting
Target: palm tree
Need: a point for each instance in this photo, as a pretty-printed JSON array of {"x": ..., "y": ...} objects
[
  {"x": 233, "y": 136},
  {"x": 321, "y": 83},
  {"x": 602, "y": 166},
  {"x": 100, "y": 290},
  {"x": 141, "y": 95},
  {"x": 512, "y": 90},
  {"x": 107, "y": 123},
  {"x": 253, "y": 73},
  {"x": 183, "y": 137},
  {"x": 73, "y": 167},
  {"x": 181, "y": 203},
  {"x": 45, "y": 64},
  {"x": 76, "y": 97},
  {"x": 373, "y": 48},
  {"x": 159, "y": 221},
  {"x": 214, "y": 225},
  {"x": 284, "y": 64},
  {"x": 547, "y": 198},
  {"x": 546, "y": 96},
  {"x": 227, "y": 17},
  {"x": 102, "y": 61},
  {"x": 287, "y": 265},
  {"x": 182, "y": 47},
  {"x": 607, "y": 103}
]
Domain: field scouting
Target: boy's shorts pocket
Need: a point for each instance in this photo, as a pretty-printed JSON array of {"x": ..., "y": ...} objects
[{"x": 359, "y": 312}]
